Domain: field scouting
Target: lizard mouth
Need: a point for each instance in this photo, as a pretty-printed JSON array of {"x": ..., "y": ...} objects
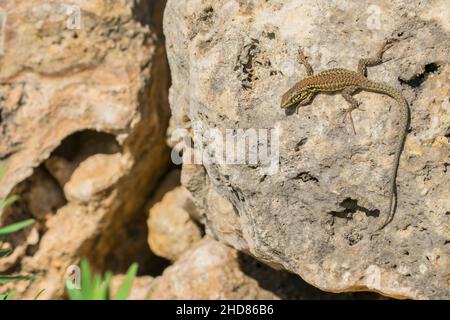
[{"x": 290, "y": 104}]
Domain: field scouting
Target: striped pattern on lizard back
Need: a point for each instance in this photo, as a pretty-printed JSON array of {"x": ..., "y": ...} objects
[{"x": 332, "y": 80}]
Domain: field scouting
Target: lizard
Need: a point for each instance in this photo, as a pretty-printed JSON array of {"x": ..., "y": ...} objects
[{"x": 349, "y": 82}]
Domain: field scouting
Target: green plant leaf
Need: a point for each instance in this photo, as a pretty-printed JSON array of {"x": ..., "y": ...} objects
[
  {"x": 95, "y": 293},
  {"x": 15, "y": 227},
  {"x": 4, "y": 279},
  {"x": 86, "y": 278},
  {"x": 105, "y": 286},
  {"x": 5, "y": 252},
  {"x": 74, "y": 294},
  {"x": 97, "y": 287},
  {"x": 6, "y": 202},
  {"x": 7, "y": 295},
  {"x": 124, "y": 289}
]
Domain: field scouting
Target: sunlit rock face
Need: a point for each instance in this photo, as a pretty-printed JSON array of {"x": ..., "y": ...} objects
[{"x": 317, "y": 214}]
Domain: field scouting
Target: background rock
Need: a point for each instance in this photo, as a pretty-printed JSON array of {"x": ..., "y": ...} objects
[
  {"x": 171, "y": 230},
  {"x": 84, "y": 126},
  {"x": 210, "y": 270},
  {"x": 83, "y": 109},
  {"x": 317, "y": 215}
]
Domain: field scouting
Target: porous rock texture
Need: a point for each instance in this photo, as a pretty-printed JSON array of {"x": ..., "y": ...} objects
[
  {"x": 83, "y": 118},
  {"x": 210, "y": 270},
  {"x": 318, "y": 214},
  {"x": 213, "y": 270},
  {"x": 171, "y": 230}
]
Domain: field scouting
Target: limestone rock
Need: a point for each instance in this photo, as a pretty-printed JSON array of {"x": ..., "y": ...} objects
[
  {"x": 316, "y": 214},
  {"x": 171, "y": 229},
  {"x": 210, "y": 270},
  {"x": 94, "y": 176},
  {"x": 83, "y": 112}
]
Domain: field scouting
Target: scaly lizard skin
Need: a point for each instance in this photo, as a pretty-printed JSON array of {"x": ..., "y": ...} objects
[{"x": 348, "y": 83}]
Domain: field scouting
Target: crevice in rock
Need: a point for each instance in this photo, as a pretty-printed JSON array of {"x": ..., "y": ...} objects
[
  {"x": 350, "y": 207},
  {"x": 150, "y": 13},
  {"x": 418, "y": 79},
  {"x": 244, "y": 63},
  {"x": 133, "y": 246},
  {"x": 300, "y": 143},
  {"x": 305, "y": 177}
]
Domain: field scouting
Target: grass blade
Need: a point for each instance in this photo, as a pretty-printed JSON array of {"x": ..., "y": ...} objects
[
  {"x": 106, "y": 285},
  {"x": 6, "y": 202},
  {"x": 7, "y": 295},
  {"x": 15, "y": 227},
  {"x": 125, "y": 288},
  {"x": 5, "y": 252},
  {"x": 86, "y": 279}
]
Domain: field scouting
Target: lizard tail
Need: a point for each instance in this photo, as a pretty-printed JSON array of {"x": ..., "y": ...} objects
[{"x": 402, "y": 132}]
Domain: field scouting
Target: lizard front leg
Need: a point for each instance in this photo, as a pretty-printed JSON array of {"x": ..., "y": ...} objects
[{"x": 304, "y": 61}]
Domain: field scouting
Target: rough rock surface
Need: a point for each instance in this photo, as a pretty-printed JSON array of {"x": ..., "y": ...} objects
[
  {"x": 171, "y": 231},
  {"x": 317, "y": 214},
  {"x": 210, "y": 270},
  {"x": 82, "y": 119},
  {"x": 139, "y": 288}
]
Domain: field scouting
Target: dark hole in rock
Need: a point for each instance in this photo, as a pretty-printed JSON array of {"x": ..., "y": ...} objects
[
  {"x": 83, "y": 144},
  {"x": 350, "y": 207},
  {"x": 41, "y": 194},
  {"x": 306, "y": 177},
  {"x": 417, "y": 80},
  {"x": 300, "y": 143}
]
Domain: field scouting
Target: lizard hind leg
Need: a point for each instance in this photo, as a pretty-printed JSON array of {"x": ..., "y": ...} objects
[
  {"x": 354, "y": 104},
  {"x": 367, "y": 62},
  {"x": 304, "y": 61}
]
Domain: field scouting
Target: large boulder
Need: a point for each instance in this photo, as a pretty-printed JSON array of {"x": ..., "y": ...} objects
[
  {"x": 316, "y": 211},
  {"x": 83, "y": 116}
]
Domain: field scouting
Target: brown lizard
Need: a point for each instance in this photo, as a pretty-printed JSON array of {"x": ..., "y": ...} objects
[{"x": 348, "y": 83}]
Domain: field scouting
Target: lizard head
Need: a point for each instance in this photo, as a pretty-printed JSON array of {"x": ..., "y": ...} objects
[{"x": 296, "y": 96}]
